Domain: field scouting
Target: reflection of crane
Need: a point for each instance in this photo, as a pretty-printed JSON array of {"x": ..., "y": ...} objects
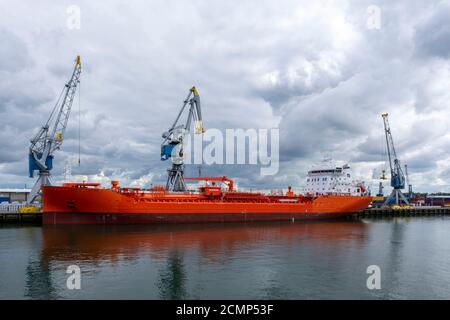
[
  {"x": 51, "y": 135},
  {"x": 172, "y": 282},
  {"x": 172, "y": 146},
  {"x": 38, "y": 283},
  {"x": 397, "y": 176}
]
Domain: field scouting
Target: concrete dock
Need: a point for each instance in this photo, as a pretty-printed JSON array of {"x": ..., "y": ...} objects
[
  {"x": 15, "y": 213},
  {"x": 17, "y": 217},
  {"x": 407, "y": 212}
]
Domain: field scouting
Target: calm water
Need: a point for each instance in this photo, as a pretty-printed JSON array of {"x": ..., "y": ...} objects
[{"x": 225, "y": 261}]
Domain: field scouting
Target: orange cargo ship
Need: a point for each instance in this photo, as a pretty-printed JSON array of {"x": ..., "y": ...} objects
[{"x": 88, "y": 203}]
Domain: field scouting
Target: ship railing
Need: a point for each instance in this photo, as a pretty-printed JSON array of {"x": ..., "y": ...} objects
[
  {"x": 318, "y": 194},
  {"x": 82, "y": 184}
]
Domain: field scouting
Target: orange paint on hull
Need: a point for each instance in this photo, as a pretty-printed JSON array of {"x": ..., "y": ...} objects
[{"x": 74, "y": 204}]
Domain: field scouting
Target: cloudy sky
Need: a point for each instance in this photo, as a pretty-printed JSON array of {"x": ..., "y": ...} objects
[{"x": 320, "y": 71}]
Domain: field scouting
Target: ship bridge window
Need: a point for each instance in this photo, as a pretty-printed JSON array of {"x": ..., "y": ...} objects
[
  {"x": 322, "y": 171},
  {"x": 348, "y": 175}
]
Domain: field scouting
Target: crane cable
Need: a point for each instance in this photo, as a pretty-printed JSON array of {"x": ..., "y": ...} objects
[
  {"x": 79, "y": 124},
  {"x": 384, "y": 155}
]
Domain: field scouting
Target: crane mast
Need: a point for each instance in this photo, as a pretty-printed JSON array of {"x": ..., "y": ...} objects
[
  {"x": 408, "y": 183},
  {"x": 172, "y": 146},
  {"x": 51, "y": 135},
  {"x": 397, "y": 176}
]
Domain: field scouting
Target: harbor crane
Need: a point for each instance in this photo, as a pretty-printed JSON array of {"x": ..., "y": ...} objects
[
  {"x": 172, "y": 145},
  {"x": 408, "y": 183},
  {"x": 51, "y": 135},
  {"x": 397, "y": 176},
  {"x": 380, "y": 189}
]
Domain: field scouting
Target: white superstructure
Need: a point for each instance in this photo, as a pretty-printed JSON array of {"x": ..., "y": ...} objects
[{"x": 328, "y": 178}]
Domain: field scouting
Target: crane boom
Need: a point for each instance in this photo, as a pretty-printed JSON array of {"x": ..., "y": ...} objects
[
  {"x": 172, "y": 145},
  {"x": 51, "y": 135},
  {"x": 397, "y": 176}
]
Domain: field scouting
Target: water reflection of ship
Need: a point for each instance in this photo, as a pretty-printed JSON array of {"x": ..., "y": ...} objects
[
  {"x": 91, "y": 243},
  {"x": 172, "y": 244}
]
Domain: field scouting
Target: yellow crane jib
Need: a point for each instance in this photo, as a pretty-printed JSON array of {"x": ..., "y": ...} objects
[
  {"x": 199, "y": 129},
  {"x": 59, "y": 136},
  {"x": 198, "y": 124},
  {"x": 194, "y": 91}
]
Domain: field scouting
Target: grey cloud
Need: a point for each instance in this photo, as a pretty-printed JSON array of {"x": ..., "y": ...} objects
[
  {"x": 14, "y": 53},
  {"x": 312, "y": 69},
  {"x": 433, "y": 35}
]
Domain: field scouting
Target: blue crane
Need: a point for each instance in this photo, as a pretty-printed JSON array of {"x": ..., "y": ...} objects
[
  {"x": 397, "y": 177},
  {"x": 172, "y": 146},
  {"x": 51, "y": 135}
]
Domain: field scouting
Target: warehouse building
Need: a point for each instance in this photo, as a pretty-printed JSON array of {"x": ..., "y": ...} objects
[{"x": 14, "y": 195}]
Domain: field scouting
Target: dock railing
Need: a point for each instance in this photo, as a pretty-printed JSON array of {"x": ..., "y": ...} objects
[
  {"x": 11, "y": 207},
  {"x": 18, "y": 212}
]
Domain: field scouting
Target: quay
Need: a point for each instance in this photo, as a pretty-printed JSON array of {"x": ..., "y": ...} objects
[
  {"x": 29, "y": 217},
  {"x": 18, "y": 213},
  {"x": 403, "y": 212}
]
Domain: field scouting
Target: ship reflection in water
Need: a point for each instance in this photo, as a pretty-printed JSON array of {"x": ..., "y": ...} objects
[{"x": 223, "y": 261}]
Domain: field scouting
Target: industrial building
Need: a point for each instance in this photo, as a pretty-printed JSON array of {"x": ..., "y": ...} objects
[{"x": 14, "y": 195}]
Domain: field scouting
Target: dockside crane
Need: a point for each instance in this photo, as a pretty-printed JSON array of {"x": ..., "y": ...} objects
[
  {"x": 408, "y": 183},
  {"x": 172, "y": 145},
  {"x": 380, "y": 189},
  {"x": 51, "y": 135},
  {"x": 397, "y": 176}
]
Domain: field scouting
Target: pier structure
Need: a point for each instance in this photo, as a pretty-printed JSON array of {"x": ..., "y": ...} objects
[
  {"x": 17, "y": 213},
  {"x": 424, "y": 211}
]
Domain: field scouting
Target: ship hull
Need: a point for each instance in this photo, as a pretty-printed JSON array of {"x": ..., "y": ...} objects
[
  {"x": 66, "y": 205},
  {"x": 152, "y": 218}
]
